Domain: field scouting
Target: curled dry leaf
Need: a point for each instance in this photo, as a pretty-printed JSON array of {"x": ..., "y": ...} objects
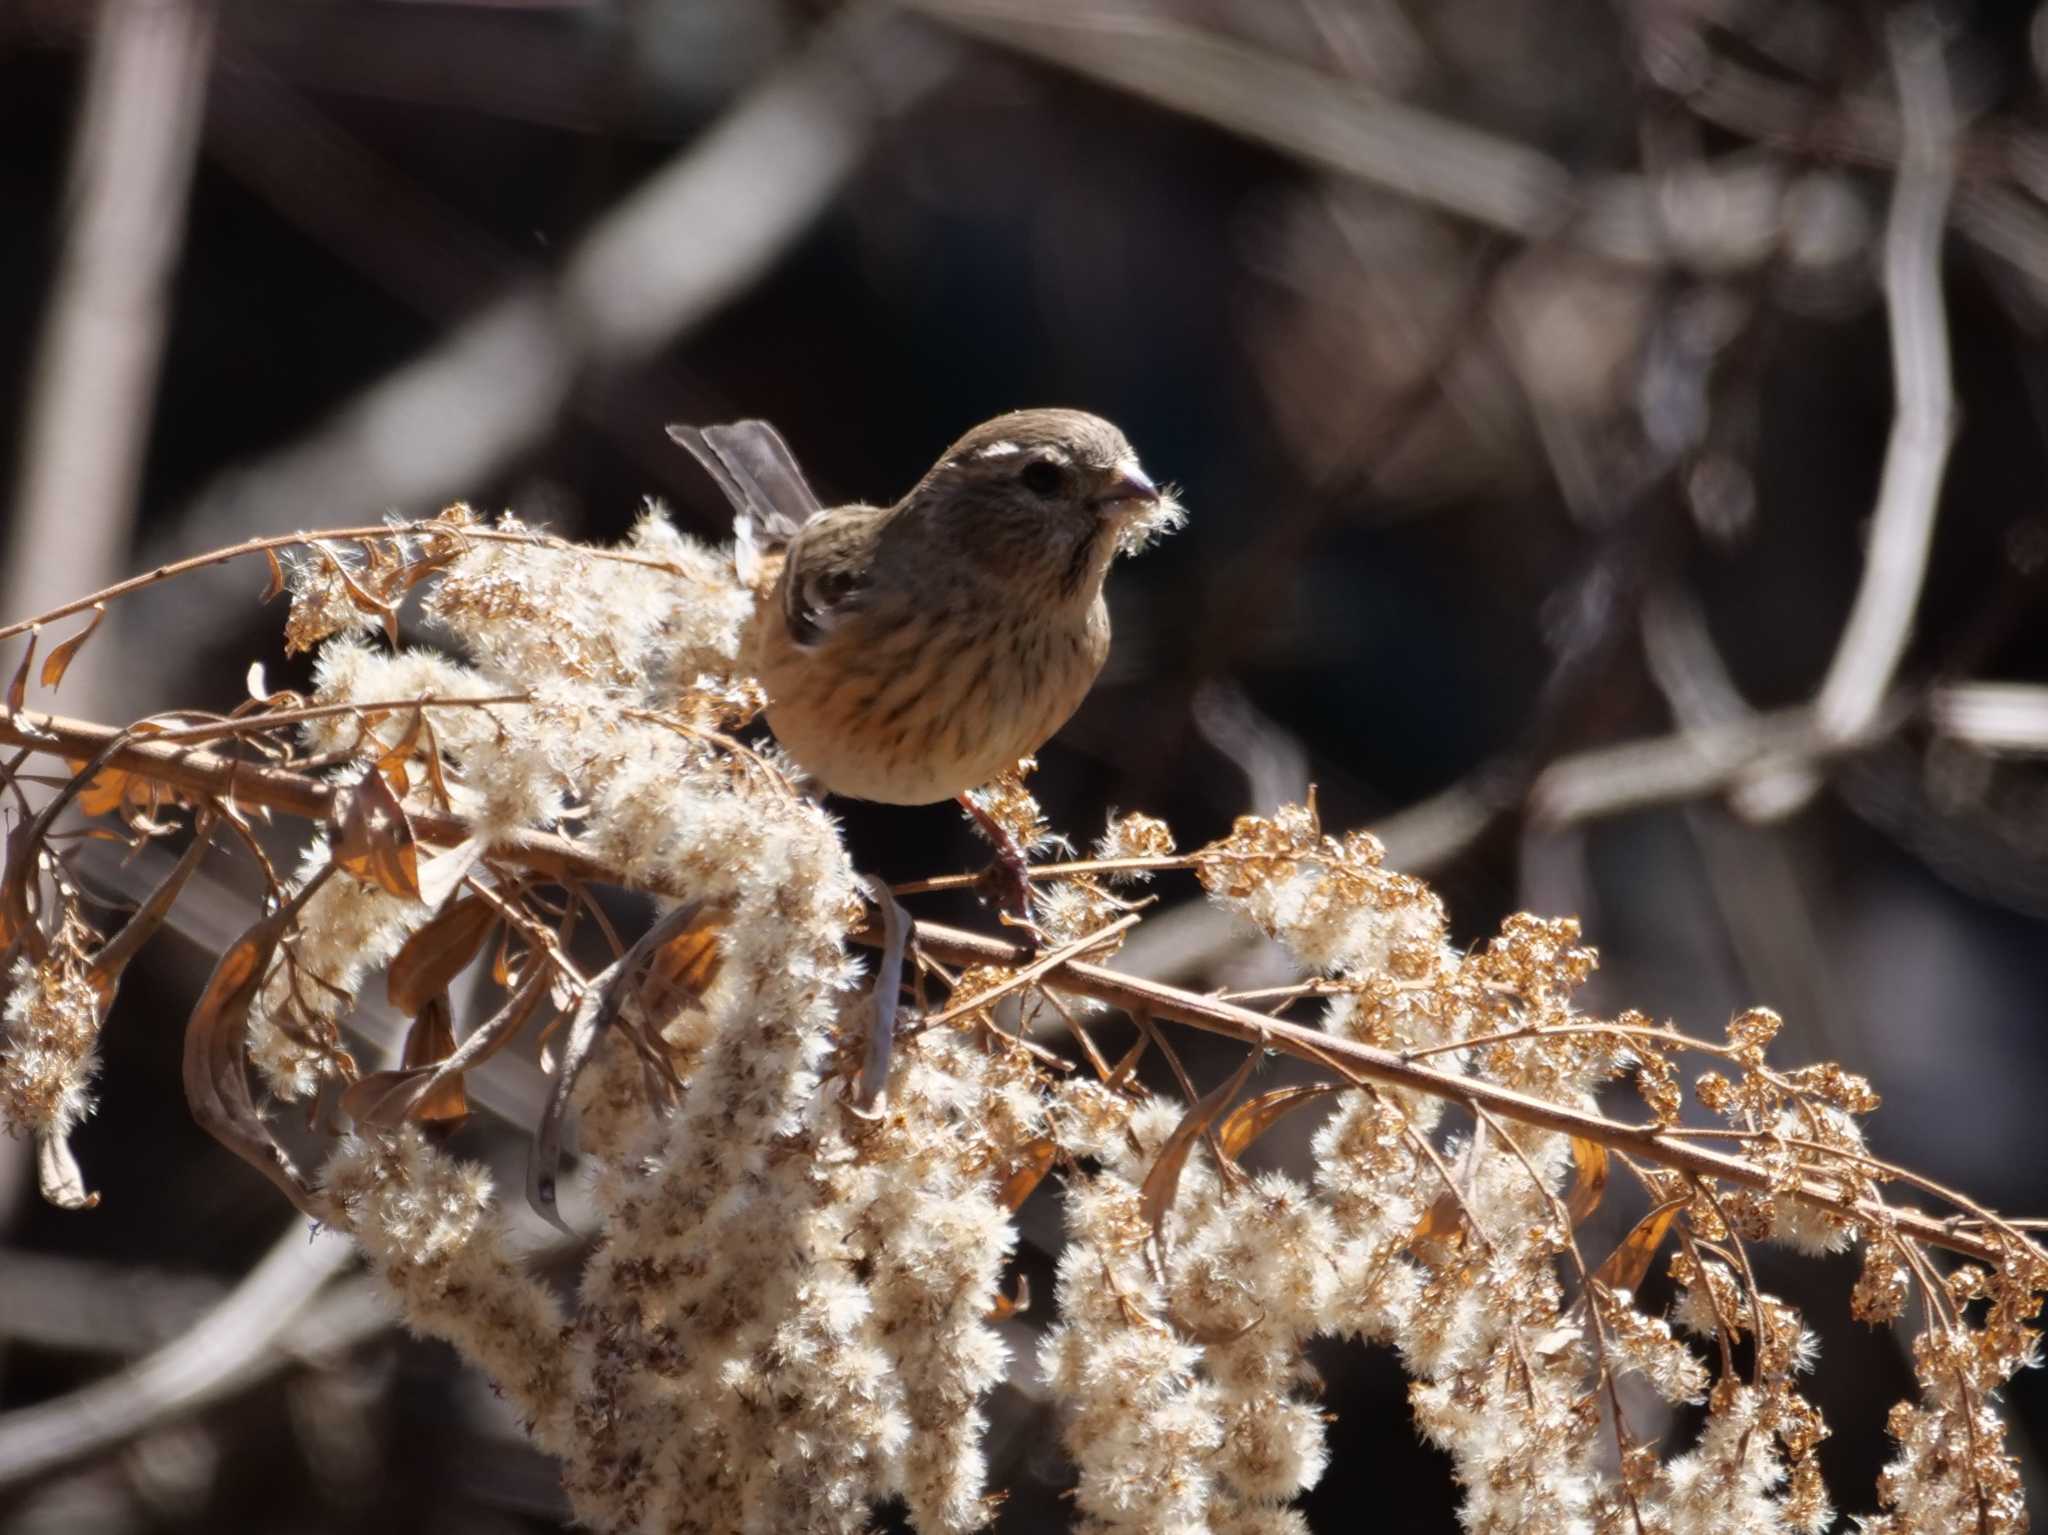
[
  {"x": 106, "y": 792},
  {"x": 429, "y": 1042},
  {"x": 439, "y": 952},
  {"x": 444, "y": 871},
  {"x": 1589, "y": 1179},
  {"x": 596, "y": 1011},
  {"x": 17, "y": 921},
  {"x": 1126, "y": 1069},
  {"x": 593, "y": 1015},
  {"x": 683, "y": 968},
  {"x": 1255, "y": 1116},
  {"x": 365, "y": 601},
  {"x": 216, "y": 1077},
  {"x": 1007, "y": 1306},
  {"x": 373, "y": 839},
  {"x": 17, "y": 690},
  {"x": 1155, "y": 1195},
  {"x": 111, "y": 790},
  {"x": 1033, "y": 1162},
  {"x": 1628, "y": 1265},
  {"x": 58, "y": 1176},
  {"x": 274, "y": 586},
  {"x": 1444, "y": 1219},
  {"x": 60, "y": 659},
  {"x": 114, "y": 955},
  {"x": 388, "y": 1097},
  {"x": 394, "y": 762}
]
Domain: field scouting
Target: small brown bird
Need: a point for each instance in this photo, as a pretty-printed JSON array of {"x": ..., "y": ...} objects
[{"x": 913, "y": 652}]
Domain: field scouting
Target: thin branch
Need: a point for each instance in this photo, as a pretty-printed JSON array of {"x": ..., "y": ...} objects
[
  {"x": 430, "y": 529},
  {"x": 1924, "y": 421},
  {"x": 1730, "y": 217},
  {"x": 1993, "y": 716},
  {"x": 1692, "y": 764},
  {"x": 249, "y": 1335},
  {"x": 692, "y": 236},
  {"x": 94, "y": 391},
  {"x": 558, "y": 857}
]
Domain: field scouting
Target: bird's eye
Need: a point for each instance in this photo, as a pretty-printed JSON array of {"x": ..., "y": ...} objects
[{"x": 1042, "y": 477}]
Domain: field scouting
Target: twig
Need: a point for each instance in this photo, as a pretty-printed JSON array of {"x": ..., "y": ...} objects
[
  {"x": 690, "y": 238},
  {"x": 95, "y": 384},
  {"x": 560, "y": 858},
  {"x": 1993, "y": 716},
  {"x": 1691, "y": 764},
  {"x": 1343, "y": 126},
  {"x": 426, "y": 530},
  {"x": 244, "y": 1338},
  {"x": 1923, "y": 424}
]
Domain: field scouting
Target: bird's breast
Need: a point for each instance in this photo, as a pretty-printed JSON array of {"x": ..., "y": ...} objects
[{"x": 910, "y": 704}]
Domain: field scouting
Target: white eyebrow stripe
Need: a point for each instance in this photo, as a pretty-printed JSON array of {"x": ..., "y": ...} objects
[{"x": 1001, "y": 449}]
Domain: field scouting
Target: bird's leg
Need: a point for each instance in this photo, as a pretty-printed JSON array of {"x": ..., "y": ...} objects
[
  {"x": 1009, "y": 877},
  {"x": 897, "y": 927}
]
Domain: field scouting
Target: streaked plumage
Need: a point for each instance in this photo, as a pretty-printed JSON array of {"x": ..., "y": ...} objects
[{"x": 915, "y": 651}]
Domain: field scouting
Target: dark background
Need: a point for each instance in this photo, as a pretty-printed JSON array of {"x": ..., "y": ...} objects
[{"x": 1457, "y": 484}]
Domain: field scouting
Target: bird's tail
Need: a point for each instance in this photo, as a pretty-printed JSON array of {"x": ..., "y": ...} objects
[{"x": 770, "y": 497}]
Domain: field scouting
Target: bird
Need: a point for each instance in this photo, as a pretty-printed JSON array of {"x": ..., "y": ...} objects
[{"x": 912, "y": 652}]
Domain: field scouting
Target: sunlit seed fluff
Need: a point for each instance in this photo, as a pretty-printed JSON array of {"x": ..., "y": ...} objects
[
  {"x": 785, "y": 1320},
  {"x": 431, "y": 1231},
  {"x": 48, "y": 1029},
  {"x": 346, "y": 929}
]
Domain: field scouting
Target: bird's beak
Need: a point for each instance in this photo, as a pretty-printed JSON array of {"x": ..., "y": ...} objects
[{"x": 1129, "y": 488}]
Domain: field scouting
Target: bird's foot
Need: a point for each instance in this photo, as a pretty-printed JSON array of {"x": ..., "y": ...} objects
[{"x": 1006, "y": 883}]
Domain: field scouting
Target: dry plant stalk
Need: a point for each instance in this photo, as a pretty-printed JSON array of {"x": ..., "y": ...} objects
[{"x": 788, "y": 1315}]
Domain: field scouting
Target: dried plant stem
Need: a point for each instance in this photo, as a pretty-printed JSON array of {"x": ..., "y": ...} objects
[
  {"x": 1923, "y": 424},
  {"x": 388, "y": 530},
  {"x": 248, "y": 1334},
  {"x": 207, "y": 774}
]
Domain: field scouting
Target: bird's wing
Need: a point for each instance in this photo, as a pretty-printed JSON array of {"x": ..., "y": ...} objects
[
  {"x": 828, "y": 574},
  {"x": 759, "y": 475}
]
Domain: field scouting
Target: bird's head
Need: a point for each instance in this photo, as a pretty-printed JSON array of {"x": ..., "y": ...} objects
[{"x": 1058, "y": 491}]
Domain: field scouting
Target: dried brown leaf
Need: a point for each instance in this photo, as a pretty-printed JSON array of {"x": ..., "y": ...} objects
[
  {"x": 596, "y": 1011},
  {"x": 107, "y": 792},
  {"x": 17, "y": 690},
  {"x": 1033, "y": 1162},
  {"x": 443, "y": 871},
  {"x": 682, "y": 969},
  {"x": 426, "y": 564},
  {"x": 16, "y": 919},
  {"x": 360, "y": 597},
  {"x": 105, "y": 971},
  {"x": 1444, "y": 1219},
  {"x": 1007, "y": 1306},
  {"x": 1162, "y": 1183},
  {"x": 429, "y": 1042},
  {"x": 58, "y": 1175},
  {"x": 274, "y": 587},
  {"x": 216, "y": 1078},
  {"x": 373, "y": 839},
  {"x": 1628, "y": 1265},
  {"x": 389, "y": 1097},
  {"x": 1255, "y": 1116},
  {"x": 438, "y": 952},
  {"x": 1589, "y": 1178},
  {"x": 59, "y": 659}
]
